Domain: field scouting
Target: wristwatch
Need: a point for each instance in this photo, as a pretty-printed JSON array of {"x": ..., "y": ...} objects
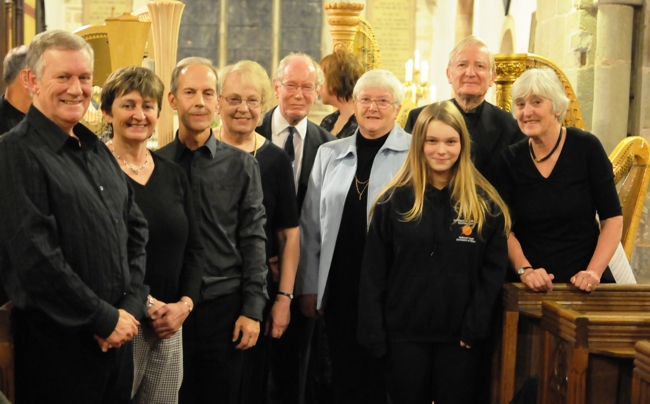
[{"x": 521, "y": 270}]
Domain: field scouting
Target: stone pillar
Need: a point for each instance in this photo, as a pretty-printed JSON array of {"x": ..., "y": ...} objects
[
  {"x": 612, "y": 69},
  {"x": 166, "y": 21}
]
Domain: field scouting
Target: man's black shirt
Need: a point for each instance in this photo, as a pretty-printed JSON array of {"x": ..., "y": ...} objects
[
  {"x": 9, "y": 115},
  {"x": 227, "y": 193},
  {"x": 71, "y": 236}
]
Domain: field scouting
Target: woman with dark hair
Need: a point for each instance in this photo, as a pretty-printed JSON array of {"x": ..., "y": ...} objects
[
  {"x": 434, "y": 263},
  {"x": 341, "y": 69},
  {"x": 131, "y": 101}
]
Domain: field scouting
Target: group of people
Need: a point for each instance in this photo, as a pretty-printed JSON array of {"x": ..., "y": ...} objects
[{"x": 169, "y": 276}]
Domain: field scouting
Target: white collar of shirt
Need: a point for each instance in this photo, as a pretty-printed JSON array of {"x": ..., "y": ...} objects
[{"x": 279, "y": 134}]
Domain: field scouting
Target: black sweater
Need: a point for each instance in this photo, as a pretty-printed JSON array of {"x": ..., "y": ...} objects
[
  {"x": 426, "y": 280},
  {"x": 174, "y": 250}
]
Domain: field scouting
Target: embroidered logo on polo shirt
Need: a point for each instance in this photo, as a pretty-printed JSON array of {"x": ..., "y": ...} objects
[{"x": 466, "y": 231}]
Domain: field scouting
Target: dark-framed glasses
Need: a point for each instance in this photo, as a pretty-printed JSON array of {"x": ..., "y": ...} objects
[
  {"x": 292, "y": 88},
  {"x": 382, "y": 103},
  {"x": 236, "y": 101}
]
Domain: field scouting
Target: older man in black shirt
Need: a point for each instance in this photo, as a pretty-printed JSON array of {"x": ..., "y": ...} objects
[
  {"x": 471, "y": 72},
  {"x": 227, "y": 192},
  {"x": 72, "y": 240},
  {"x": 16, "y": 99}
]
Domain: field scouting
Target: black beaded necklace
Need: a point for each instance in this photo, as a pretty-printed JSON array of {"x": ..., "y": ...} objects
[{"x": 532, "y": 152}]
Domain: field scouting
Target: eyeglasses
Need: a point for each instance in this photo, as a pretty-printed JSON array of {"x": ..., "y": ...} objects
[
  {"x": 236, "y": 101},
  {"x": 382, "y": 103},
  {"x": 292, "y": 88}
]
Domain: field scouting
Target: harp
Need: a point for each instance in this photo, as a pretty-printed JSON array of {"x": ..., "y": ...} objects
[
  {"x": 350, "y": 31},
  {"x": 125, "y": 41},
  {"x": 509, "y": 67}
]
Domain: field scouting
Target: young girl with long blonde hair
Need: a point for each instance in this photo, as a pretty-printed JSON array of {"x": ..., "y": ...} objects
[{"x": 434, "y": 263}]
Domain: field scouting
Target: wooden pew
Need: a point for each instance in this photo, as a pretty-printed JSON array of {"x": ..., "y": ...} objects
[
  {"x": 518, "y": 355},
  {"x": 572, "y": 337},
  {"x": 641, "y": 379}
]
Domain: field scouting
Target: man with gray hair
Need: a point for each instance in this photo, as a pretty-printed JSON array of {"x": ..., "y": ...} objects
[
  {"x": 471, "y": 72},
  {"x": 227, "y": 192},
  {"x": 16, "y": 100},
  {"x": 296, "y": 82},
  {"x": 72, "y": 239}
]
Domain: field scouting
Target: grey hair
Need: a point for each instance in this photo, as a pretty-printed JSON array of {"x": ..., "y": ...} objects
[
  {"x": 471, "y": 40},
  {"x": 15, "y": 61},
  {"x": 57, "y": 39},
  {"x": 279, "y": 72},
  {"x": 380, "y": 78},
  {"x": 542, "y": 82},
  {"x": 251, "y": 73},
  {"x": 190, "y": 61}
]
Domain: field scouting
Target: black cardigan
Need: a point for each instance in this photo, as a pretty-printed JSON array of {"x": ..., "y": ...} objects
[{"x": 429, "y": 280}]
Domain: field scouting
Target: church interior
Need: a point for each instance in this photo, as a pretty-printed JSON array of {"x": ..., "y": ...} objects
[{"x": 584, "y": 348}]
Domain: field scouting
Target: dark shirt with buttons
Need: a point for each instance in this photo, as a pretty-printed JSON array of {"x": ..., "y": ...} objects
[
  {"x": 227, "y": 193},
  {"x": 71, "y": 236},
  {"x": 9, "y": 116}
]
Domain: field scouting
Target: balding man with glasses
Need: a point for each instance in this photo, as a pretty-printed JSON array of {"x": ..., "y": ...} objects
[{"x": 296, "y": 83}]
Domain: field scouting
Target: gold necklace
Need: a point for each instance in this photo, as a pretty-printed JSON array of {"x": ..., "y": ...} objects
[
  {"x": 254, "y": 144},
  {"x": 364, "y": 183},
  {"x": 135, "y": 170}
]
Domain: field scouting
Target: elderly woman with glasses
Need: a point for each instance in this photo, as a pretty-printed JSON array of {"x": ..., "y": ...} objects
[
  {"x": 131, "y": 101},
  {"x": 246, "y": 94},
  {"x": 348, "y": 175},
  {"x": 555, "y": 183}
]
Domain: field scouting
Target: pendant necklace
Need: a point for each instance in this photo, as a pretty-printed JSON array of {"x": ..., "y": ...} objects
[
  {"x": 532, "y": 152},
  {"x": 135, "y": 170},
  {"x": 364, "y": 183}
]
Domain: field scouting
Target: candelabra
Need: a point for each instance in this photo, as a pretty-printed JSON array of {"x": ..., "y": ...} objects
[{"x": 416, "y": 83}]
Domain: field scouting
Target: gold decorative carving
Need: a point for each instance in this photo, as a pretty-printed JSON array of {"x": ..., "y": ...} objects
[
  {"x": 511, "y": 66},
  {"x": 343, "y": 6},
  {"x": 343, "y": 19}
]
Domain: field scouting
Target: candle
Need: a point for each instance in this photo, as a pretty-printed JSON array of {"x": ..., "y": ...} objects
[
  {"x": 424, "y": 75},
  {"x": 417, "y": 59},
  {"x": 409, "y": 70}
]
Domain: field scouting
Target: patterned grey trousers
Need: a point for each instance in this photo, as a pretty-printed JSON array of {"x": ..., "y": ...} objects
[{"x": 158, "y": 367}]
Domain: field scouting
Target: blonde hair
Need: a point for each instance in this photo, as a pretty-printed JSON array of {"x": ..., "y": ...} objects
[
  {"x": 251, "y": 73},
  {"x": 471, "y": 192}
]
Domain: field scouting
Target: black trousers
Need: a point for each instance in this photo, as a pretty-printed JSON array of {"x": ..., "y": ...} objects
[
  {"x": 289, "y": 359},
  {"x": 356, "y": 376},
  {"x": 56, "y": 365},
  {"x": 212, "y": 367},
  {"x": 421, "y": 372}
]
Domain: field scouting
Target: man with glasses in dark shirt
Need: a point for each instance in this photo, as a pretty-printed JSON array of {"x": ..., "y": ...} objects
[
  {"x": 72, "y": 240},
  {"x": 228, "y": 196},
  {"x": 16, "y": 100}
]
